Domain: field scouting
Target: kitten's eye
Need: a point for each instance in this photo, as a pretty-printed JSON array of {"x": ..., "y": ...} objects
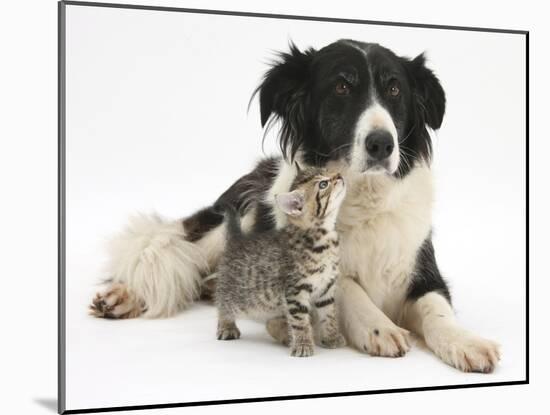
[
  {"x": 342, "y": 88},
  {"x": 393, "y": 89},
  {"x": 323, "y": 184}
]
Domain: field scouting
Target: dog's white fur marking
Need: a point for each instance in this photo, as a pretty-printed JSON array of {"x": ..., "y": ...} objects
[
  {"x": 364, "y": 51},
  {"x": 375, "y": 117},
  {"x": 382, "y": 224},
  {"x": 152, "y": 258}
]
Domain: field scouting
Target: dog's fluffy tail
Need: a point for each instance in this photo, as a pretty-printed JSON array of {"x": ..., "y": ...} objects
[{"x": 154, "y": 267}]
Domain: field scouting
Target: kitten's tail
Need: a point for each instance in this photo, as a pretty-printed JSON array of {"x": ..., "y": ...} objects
[{"x": 233, "y": 222}]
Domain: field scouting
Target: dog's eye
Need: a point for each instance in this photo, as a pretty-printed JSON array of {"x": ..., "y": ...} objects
[
  {"x": 342, "y": 88},
  {"x": 323, "y": 184},
  {"x": 393, "y": 89}
]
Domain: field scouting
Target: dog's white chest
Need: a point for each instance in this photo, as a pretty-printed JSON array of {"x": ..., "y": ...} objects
[{"x": 382, "y": 224}]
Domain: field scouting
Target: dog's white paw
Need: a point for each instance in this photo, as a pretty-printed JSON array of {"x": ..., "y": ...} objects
[
  {"x": 464, "y": 350},
  {"x": 116, "y": 302},
  {"x": 384, "y": 340}
]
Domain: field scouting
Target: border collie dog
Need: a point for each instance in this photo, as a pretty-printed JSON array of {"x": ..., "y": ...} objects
[{"x": 360, "y": 108}]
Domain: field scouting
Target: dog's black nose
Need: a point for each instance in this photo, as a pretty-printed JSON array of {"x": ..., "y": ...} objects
[{"x": 379, "y": 144}]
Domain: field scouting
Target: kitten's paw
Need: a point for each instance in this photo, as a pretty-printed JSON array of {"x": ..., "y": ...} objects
[
  {"x": 386, "y": 341},
  {"x": 332, "y": 342},
  {"x": 465, "y": 351},
  {"x": 116, "y": 302},
  {"x": 228, "y": 333},
  {"x": 302, "y": 350},
  {"x": 278, "y": 329}
]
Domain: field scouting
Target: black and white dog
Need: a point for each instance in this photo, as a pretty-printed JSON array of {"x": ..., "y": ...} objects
[{"x": 368, "y": 112}]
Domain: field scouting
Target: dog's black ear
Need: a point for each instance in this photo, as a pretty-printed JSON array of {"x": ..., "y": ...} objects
[
  {"x": 284, "y": 82},
  {"x": 283, "y": 93},
  {"x": 428, "y": 92}
]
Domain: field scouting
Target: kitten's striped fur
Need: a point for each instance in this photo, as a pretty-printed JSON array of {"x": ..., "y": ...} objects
[{"x": 286, "y": 275}]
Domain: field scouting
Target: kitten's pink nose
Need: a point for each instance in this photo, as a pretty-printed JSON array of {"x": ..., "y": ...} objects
[{"x": 339, "y": 177}]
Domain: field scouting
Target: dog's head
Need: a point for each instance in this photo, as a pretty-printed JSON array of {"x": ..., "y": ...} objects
[{"x": 354, "y": 102}]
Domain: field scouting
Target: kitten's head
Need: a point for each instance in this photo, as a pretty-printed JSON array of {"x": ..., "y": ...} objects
[{"x": 314, "y": 198}]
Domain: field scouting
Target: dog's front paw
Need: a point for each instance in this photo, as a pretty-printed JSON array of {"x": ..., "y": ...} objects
[
  {"x": 385, "y": 340},
  {"x": 116, "y": 302},
  {"x": 301, "y": 350},
  {"x": 334, "y": 341},
  {"x": 465, "y": 351}
]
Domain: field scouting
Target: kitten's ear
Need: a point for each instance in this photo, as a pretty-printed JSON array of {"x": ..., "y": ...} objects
[{"x": 291, "y": 203}]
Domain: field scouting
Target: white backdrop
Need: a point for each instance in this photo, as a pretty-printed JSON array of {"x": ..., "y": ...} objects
[{"x": 157, "y": 120}]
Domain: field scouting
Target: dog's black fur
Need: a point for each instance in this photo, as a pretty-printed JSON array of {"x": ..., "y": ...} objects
[{"x": 299, "y": 91}]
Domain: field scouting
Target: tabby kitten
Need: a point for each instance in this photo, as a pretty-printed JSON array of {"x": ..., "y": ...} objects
[{"x": 286, "y": 273}]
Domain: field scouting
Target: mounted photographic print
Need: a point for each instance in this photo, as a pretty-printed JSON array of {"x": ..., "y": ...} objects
[{"x": 258, "y": 207}]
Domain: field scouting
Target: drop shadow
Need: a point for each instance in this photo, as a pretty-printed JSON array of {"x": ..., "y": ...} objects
[{"x": 48, "y": 403}]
